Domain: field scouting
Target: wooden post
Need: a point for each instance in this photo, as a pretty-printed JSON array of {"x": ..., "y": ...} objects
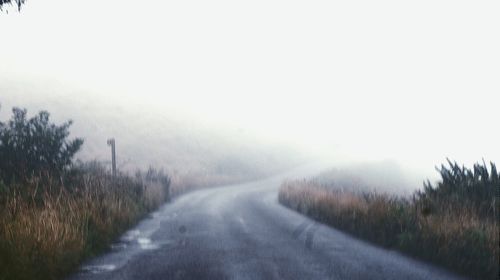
[{"x": 111, "y": 142}]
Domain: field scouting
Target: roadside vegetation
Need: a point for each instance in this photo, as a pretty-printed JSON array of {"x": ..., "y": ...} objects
[
  {"x": 55, "y": 213},
  {"x": 453, "y": 223}
]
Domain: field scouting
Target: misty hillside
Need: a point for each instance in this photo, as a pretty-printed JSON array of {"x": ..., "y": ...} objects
[
  {"x": 147, "y": 137},
  {"x": 381, "y": 176}
]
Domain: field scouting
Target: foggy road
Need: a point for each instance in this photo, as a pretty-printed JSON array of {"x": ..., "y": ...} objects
[{"x": 242, "y": 232}]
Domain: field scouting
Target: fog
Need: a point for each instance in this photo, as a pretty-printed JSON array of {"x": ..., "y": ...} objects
[{"x": 188, "y": 84}]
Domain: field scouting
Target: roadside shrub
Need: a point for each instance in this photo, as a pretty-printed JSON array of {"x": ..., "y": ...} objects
[
  {"x": 460, "y": 187},
  {"x": 34, "y": 146},
  {"x": 156, "y": 176}
]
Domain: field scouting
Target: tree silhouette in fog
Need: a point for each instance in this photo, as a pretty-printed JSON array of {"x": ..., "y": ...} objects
[
  {"x": 17, "y": 2},
  {"x": 34, "y": 146}
]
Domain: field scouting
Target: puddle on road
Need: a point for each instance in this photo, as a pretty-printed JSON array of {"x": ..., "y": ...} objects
[
  {"x": 130, "y": 243},
  {"x": 143, "y": 241},
  {"x": 130, "y": 235},
  {"x": 95, "y": 269},
  {"x": 146, "y": 244}
]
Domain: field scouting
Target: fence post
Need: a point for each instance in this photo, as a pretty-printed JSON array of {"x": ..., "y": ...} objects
[{"x": 111, "y": 142}]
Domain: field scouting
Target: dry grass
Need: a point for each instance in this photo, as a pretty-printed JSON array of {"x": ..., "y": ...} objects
[
  {"x": 47, "y": 229},
  {"x": 462, "y": 241}
]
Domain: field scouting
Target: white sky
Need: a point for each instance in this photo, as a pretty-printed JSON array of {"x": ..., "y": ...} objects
[{"x": 415, "y": 81}]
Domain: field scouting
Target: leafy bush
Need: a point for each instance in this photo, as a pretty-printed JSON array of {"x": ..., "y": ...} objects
[{"x": 31, "y": 147}]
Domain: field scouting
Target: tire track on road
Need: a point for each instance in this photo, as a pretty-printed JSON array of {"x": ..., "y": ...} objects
[{"x": 310, "y": 235}]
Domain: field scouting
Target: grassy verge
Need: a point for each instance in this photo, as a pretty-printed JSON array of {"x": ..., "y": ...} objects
[
  {"x": 454, "y": 224},
  {"x": 48, "y": 226}
]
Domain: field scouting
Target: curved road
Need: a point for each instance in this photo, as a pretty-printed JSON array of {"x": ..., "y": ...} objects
[{"x": 242, "y": 232}]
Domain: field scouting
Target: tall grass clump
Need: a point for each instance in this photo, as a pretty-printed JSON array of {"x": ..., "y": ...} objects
[
  {"x": 48, "y": 226},
  {"x": 453, "y": 223}
]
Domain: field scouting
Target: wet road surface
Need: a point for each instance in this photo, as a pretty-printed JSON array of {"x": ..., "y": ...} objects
[{"x": 242, "y": 232}]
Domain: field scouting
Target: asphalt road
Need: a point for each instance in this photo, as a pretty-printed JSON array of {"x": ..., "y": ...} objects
[{"x": 242, "y": 232}]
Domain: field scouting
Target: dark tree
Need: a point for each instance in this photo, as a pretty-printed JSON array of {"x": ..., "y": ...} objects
[
  {"x": 33, "y": 146},
  {"x": 17, "y": 2}
]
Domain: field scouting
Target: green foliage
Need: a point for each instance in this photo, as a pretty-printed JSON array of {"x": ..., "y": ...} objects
[
  {"x": 34, "y": 146},
  {"x": 461, "y": 187}
]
